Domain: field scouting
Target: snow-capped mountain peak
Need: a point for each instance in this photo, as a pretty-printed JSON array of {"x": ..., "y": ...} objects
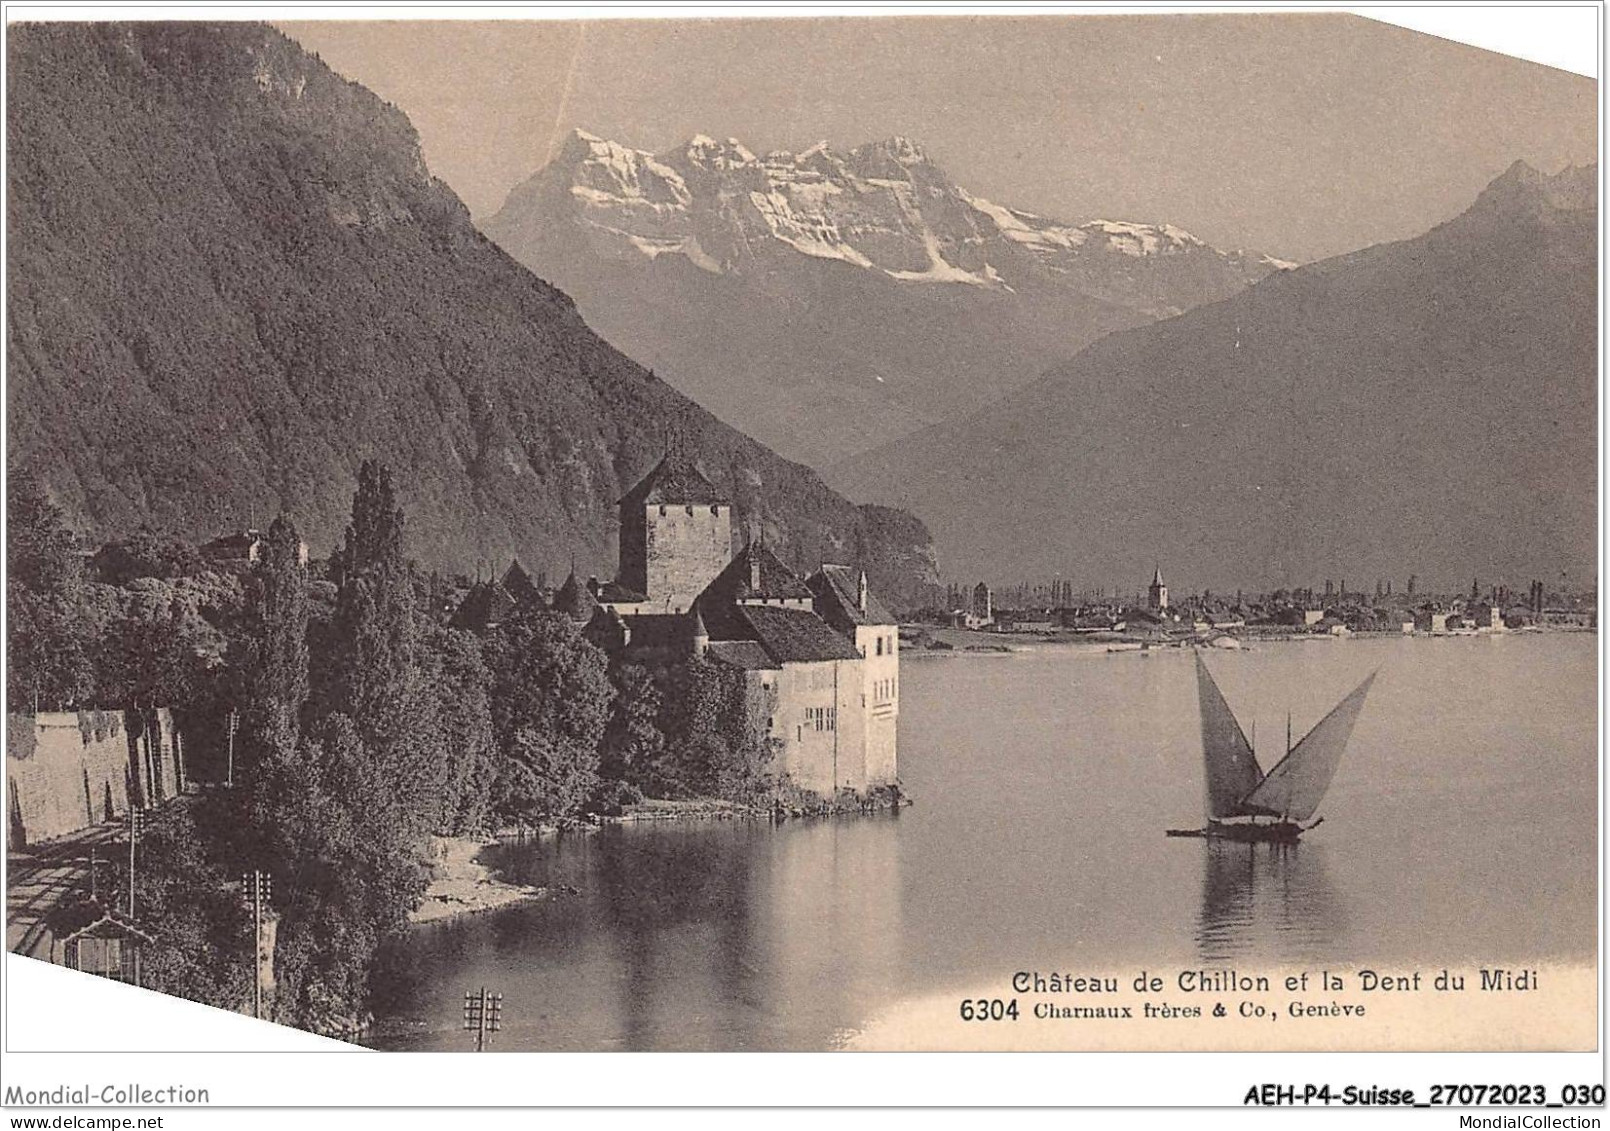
[
  {"x": 883, "y": 206},
  {"x": 827, "y": 297}
]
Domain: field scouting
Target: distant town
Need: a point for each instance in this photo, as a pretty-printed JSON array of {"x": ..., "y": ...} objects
[{"x": 1056, "y": 609}]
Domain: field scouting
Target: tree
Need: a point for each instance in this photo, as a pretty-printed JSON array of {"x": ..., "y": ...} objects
[
  {"x": 551, "y": 699},
  {"x": 154, "y": 651},
  {"x": 376, "y": 669},
  {"x": 147, "y": 553},
  {"x": 47, "y": 633},
  {"x": 201, "y": 950},
  {"x": 348, "y": 871},
  {"x": 460, "y": 726},
  {"x": 276, "y": 676},
  {"x": 632, "y": 741},
  {"x": 715, "y": 743},
  {"x": 546, "y": 777}
]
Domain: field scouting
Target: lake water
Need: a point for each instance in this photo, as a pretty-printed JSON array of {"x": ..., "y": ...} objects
[{"x": 1460, "y": 827}]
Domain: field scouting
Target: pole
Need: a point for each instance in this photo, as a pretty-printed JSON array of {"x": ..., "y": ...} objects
[
  {"x": 234, "y": 721},
  {"x": 257, "y": 944},
  {"x": 134, "y": 835},
  {"x": 256, "y": 889},
  {"x": 483, "y": 1014}
]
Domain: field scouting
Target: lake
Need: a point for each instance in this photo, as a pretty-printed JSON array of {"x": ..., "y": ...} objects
[{"x": 1461, "y": 826}]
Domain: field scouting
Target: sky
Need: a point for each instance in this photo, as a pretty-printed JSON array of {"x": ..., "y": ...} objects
[{"x": 1299, "y": 136}]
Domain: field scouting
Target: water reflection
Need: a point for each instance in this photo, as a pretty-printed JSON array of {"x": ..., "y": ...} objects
[
  {"x": 1043, "y": 782},
  {"x": 1272, "y": 901},
  {"x": 732, "y": 935}
]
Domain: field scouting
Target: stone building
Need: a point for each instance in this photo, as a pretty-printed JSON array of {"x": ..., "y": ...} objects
[
  {"x": 843, "y": 600},
  {"x": 819, "y": 657},
  {"x": 675, "y": 536},
  {"x": 241, "y": 549}
]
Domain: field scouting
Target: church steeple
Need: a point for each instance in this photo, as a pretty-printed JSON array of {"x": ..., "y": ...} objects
[{"x": 1157, "y": 592}]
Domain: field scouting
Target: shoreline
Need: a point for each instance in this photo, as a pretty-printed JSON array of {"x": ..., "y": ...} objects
[
  {"x": 461, "y": 884},
  {"x": 947, "y": 643}
]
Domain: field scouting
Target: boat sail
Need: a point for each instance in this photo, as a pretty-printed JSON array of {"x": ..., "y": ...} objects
[
  {"x": 1232, "y": 768},
  {"x": 1291, "y": 792}
]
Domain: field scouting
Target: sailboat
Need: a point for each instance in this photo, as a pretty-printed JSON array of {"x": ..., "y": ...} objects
[{"x": 1243, "y": 802}]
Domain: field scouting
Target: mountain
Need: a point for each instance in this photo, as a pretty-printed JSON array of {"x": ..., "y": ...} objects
[
  {"x": 826, "y": 302},
  {"x": 232, "y": 279},
  {"x": 1425, "y": 407}
]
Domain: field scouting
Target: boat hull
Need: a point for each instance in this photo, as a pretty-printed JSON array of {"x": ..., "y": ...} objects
[{"x": 1279, "y": 832}]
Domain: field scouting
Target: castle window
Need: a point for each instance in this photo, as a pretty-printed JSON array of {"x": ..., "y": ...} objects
[
  {"x": 662, "y": 510},
  {"x": 690, "y": 508},
  {"x": 716, "y": 511},
  {"x": 880, "y": 645},
  {"x": 822, "y": 718}
]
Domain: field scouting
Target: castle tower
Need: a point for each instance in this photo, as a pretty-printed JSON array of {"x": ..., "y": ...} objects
[
  {"x": 1157, "y": 592},
  {"x": 675, "y": 535}
]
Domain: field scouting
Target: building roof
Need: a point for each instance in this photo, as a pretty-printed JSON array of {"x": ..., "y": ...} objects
[
  {"x": 90, "y": 915},
  {"x": 486, "y": 604},
  {"x": 1157, "y": 576},
  {"x": 518, "y": 584},
  {"x": 676, "y": 479},
  {"x": 756, "y": 574},
  {"x": 614, "y": 593},
  {"x": 574, "y": 600},
  {"x": 794, "y": 635},
  {"x": 838, "y": 590},
  {"x": 237, "y": 545},
  {"x": 749, "y": 655}
]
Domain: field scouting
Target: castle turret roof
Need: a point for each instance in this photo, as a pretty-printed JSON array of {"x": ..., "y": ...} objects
[
  {"x": 675, "y": 480},
  {"x": 574, "y": 600},
  {"x": 486, "y": 605},
  {"x": 517, "y": 582}
]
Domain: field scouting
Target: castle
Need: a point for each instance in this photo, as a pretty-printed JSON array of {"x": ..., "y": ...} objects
[{"x": 819, "y": 656}]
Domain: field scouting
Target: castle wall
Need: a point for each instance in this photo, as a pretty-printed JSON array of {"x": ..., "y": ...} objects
[
  {"x": 632, "y": 563},
  {"x": 69, "y": 779},
  {"x": 821, "y": 724},
  {"x": 684, "y": 547},
  {"x": 880, "y": 683},
  {"x": 65, "y": 775}
]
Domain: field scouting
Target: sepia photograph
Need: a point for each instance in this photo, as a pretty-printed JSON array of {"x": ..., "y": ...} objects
[{"x": 788, "y": 534}]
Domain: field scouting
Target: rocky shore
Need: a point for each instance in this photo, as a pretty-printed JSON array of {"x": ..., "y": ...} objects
[{"x": 461, "y": 884}]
